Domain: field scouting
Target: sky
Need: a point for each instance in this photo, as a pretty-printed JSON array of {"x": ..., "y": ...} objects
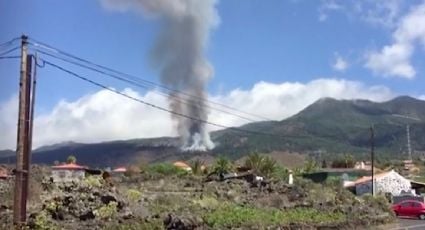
[{"x": 270, "y": 58}]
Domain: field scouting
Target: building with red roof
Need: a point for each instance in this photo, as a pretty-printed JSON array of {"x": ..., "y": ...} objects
[
  {"x": 68, "y": 172},
  {"x": 120, "y": 170},
  {"x": 4, "y": 175}
]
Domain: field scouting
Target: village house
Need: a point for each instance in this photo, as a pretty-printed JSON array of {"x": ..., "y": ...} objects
[
  {"x": 68, "y": 172},
  {"x": 4, "y": 175},
  {"x": 387, "y": 182}
]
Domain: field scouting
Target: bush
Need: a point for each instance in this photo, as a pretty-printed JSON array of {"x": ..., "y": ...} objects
[
  {"x": 93, "y": 181},
  {"x": 196, "y": 166},
  {"x": 133, "y": 195},
  {"x": 239, "y": 217},
  {"x": 107, "y": 211},
  {"x": 41, "y": 222},
  {"x": 71, "y": 159},
  {"x": 262, "y": 165},
  {"x": 165, "y": 169},
  {"x": 222, "y": 165}
]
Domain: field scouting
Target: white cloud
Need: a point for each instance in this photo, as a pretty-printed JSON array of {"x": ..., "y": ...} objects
[
  {"x": 375, "y": 12},
  {"x": 422, "y": 97},
  {"x": 8, "y": 122},
  {"x": 104, "y": 116},
  {"x": 340, "y": 63},
  {"x": 394, "y": 59}
]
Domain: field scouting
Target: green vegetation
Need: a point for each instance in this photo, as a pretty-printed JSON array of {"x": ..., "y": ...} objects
[
  {"x": 71, "y": 159},
  {"x": 155, "y": 224},
  {"x": 260, "y": 164},
  {"x": 133, "y": 195},
  {"x": 196, "y": 166},
  {"x": 107, "y": 212},
  {"x": 222, "y": 165},
  {"x": 230, "y": 215},
  {"x": 93, "y": 181},
  {"x": 42, "y": 222},
  {"x": 345, "y": 161},
  {"x": 165, "y": 169}
]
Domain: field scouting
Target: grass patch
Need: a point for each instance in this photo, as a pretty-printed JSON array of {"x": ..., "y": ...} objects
[
  {"x": 238, "y": 216},
  {"x": 165, "y": 169}
]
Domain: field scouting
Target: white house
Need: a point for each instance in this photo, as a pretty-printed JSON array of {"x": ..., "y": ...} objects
[
  {"x": 68, "y": 172},
  {"x": 387, "y": 182}
]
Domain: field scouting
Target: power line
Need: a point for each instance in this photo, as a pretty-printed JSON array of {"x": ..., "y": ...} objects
[
  {"x": 10, "y": 57},
  {"x": 179, "y": 99},
  {"x": 10, "y": 41},
  {"x": 135, "y": 78},
  {"x": 10, "y": 50},
  {"x": 159, "y": 107}
]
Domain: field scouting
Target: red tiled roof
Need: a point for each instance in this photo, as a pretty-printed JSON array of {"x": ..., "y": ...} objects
[
  {"x": 182, "y": 165},
  {"x": 120, "y": 169},
  {"x": 70, "y": 166}
]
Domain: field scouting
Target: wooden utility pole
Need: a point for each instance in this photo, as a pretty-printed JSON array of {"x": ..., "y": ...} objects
[
  {"x": 23, "y": 140},
  {"x": 372, "y": 153}
]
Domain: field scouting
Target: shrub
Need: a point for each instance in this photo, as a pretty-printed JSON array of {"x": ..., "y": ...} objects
[
  {"x": 196, "y": 166},
  {"x": 222, "y": 165},
  {"x": 263, "y": 165},
  {"x": 107, "y": 211},
  {"x": 133, "y": 195},
  {"x": 41, "y": 222},
  {"x": 71, "y": 159},
  {"x": 165, "y": 169},
  {"x": 93, "y": 181},
  {"x": 239, "y": 217}
]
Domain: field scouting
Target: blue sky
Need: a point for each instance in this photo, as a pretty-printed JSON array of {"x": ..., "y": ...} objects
[{"x": 273, "y": 41}]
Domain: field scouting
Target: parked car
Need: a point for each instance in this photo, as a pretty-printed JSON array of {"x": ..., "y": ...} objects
[{"x": 410, "y": 208}]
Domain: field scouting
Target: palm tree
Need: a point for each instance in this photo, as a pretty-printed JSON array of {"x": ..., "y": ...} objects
[
  {"x": 262, "y": 165},
  {"x": 222, "y": 165},
  {"x": 196, "y": 166},
  {"x": 71, "y": 159}
]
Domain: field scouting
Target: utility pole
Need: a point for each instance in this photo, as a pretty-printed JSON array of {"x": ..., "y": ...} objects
[
  {"x": 23, "y": 139},
  {"x": 372, "y": 154},
  {"x": 409, "y": 147}
]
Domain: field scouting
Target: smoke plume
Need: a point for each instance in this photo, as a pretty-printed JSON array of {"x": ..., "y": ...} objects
[{"x": 179, "y": 56}]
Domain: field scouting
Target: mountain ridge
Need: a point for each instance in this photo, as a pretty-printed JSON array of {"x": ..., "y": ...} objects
[{"x": 329, "y": 125}]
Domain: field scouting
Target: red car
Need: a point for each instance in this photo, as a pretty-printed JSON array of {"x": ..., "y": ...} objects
[{"x": 410, "y": 208}]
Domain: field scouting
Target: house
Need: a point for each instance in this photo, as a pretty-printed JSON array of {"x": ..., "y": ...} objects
[
  {"x": 4, "y": 175},
  {"x": 68, "y": 172},
  {"x": 387, "y": 182}
]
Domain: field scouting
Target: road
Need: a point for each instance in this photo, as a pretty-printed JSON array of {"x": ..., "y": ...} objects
[{"x": 408, "y": 224}]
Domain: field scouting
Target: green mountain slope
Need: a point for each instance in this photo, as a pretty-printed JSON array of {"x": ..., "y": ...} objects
[
  {"x": 339, "y": 126},
  {"x": 329, "y": 125}
]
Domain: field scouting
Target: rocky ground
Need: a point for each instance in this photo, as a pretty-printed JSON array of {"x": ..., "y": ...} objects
[{"x": 189, "y": 202}]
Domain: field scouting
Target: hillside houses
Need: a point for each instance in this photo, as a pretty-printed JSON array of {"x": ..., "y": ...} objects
[{"x": 68, "y": 172}]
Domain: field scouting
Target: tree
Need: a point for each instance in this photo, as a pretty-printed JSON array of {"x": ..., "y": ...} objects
[
  {"x": 71, "y": 159},
  {"x": 310, "y": 166},
  {"x": 263, "y": 165},
  {"x": 197, "y": 166},
  {"x": 324, "y": 164},
  {"x": 222, "y": 165}
]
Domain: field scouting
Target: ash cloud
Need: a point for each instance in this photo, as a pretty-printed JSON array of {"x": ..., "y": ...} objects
[{"x": 179, "y": 56}]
